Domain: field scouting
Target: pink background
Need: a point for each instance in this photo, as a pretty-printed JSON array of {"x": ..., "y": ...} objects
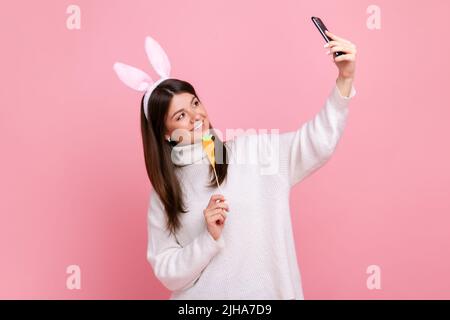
[{"x": 73, "y": 184}]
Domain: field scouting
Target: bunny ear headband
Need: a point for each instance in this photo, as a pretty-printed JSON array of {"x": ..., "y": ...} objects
[{"x": 139, "y": 80}]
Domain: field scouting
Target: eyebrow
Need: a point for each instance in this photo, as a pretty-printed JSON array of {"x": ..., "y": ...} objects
[{"x": 182, "y": 108}]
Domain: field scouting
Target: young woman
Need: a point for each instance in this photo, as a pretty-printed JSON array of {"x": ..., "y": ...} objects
[{"x": 238, "y": 244}]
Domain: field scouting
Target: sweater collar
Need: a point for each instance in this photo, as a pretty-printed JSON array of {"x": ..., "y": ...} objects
[{"x": 183, "y": 155}]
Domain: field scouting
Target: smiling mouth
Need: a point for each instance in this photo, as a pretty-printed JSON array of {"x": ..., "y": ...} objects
[{"x": 197, "y": 125}]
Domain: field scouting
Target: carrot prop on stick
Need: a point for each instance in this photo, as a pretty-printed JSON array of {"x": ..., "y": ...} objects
[{"x": 208, "y": 146}]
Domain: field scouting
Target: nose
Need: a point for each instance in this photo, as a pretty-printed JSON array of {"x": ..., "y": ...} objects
[{"x": 195, "y": 116}]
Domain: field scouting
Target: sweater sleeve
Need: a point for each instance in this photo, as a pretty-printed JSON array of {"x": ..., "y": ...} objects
[
  {"x": 307, "y": 149},
  {"x": 177, "y": 267}
]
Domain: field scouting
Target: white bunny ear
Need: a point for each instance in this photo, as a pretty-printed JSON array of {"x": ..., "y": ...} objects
[
  {"x": 157, "y": 56},
  {"x": 133, "y": 77}
]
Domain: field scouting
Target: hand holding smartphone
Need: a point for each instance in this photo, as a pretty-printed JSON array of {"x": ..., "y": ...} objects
[{"x": 321, "y": 27}]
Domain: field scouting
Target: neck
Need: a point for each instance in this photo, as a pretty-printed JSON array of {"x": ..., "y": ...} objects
[{"x": 186, "y": 154}]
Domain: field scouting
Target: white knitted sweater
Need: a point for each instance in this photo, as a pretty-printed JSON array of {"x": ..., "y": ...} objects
[{"x": 255, "y": 257}]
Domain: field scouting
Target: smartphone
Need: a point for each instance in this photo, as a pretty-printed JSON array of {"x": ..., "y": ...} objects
[{"x": 321, "y": 26}]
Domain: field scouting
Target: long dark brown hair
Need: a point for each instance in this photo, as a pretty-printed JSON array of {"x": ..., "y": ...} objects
[{"x": 157, "y": 151}]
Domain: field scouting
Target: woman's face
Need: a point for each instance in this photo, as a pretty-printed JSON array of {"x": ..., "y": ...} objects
[{"x": 186, "y": 118}]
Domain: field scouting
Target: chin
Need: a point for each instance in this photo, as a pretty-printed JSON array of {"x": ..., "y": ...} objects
[{"x": 197, "y": 136}]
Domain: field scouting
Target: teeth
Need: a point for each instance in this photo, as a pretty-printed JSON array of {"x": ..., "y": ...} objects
[{"x": 198, "y": 125}]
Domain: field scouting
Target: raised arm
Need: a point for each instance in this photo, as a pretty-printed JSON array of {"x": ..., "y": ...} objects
[{"x": 304, "y": 151}]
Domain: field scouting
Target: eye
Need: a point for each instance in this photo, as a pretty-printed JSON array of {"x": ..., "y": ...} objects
[
  {"x": 180, "y": 116},
  {"x": 196, "y": 103}
]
